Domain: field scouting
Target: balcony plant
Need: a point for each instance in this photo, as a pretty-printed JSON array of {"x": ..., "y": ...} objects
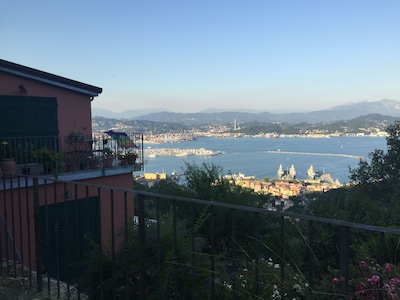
[
  {"x": 50, "y": 159},
  {"x": 27, "y": 157},
  {"x": 26, "y": 153},
  {"x": 128, "y": 158},
  {"x": 76, "y": 161},
  {"x": 8, "y": 164},
  {"x": 76, "y": 156},
  {"x": 108, "y": 157},
  {"x": 93, "y": 162},
  {"x": 75, "y": 139}
]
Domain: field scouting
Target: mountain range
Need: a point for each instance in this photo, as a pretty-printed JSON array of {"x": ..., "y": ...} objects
[{"x": 385, "y": 107}]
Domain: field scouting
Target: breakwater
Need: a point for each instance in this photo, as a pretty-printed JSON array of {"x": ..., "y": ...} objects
[
  {"x": 150, "y": 153},
  {"x": 316, "y": 153}
]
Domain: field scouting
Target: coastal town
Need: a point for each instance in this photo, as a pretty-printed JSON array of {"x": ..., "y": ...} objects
[
  {"x": 282, "y": 189},
  {"x": 222, "y": 132}
]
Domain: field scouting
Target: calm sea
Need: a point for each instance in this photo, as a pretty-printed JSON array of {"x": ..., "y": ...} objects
[{"x": 261, "y": 157}]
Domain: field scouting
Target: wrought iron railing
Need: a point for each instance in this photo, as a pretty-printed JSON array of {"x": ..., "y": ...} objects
[
  {"x": 55, "y": 155},
  {"x": 112, "y": 243}
]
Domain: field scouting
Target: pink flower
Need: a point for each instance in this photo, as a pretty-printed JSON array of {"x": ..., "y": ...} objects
[
  {"x": 375, "y": 279},
  {"x": 335, "y": 280},
  {"x": 362, "y": 264},
  {"x": 388, "y": 268}
]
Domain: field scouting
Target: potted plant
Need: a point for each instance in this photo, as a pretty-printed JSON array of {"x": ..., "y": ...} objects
[
  {"x": 50, "y": 159},
  {"x": 93, "y": 162},
  {"x": 76, "y": 156},
  {"x": 8, "y": 164},
  {"x": 75, "y": 139},
  {"x": 27, "y": 158},
  {"x": 108, "y": 157},
  {"x": 128, "y": 158}
]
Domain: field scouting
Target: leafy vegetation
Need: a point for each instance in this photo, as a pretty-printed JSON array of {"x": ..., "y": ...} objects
[{"x": 374, "y": 197}]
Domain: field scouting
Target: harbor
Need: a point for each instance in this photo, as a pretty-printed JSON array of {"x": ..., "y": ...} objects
[{"x": 250, "y": 155}]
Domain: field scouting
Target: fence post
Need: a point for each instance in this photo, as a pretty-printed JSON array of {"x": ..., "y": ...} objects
[
  {"x": 344, "y": 258},
  {"x": 310, "y": 274},
  {"x": 175, "y": 249},
  {"x": 212, "y": 250},
  {"x": 282, "y": 250},
  {"x": 36, "y": 217},
  {"x": 142, "y": 248}
]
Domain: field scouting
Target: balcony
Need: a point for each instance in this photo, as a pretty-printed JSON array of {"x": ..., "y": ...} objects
[
  {"x": 73, "y": 155},
  {"x": 99, "y": 242}
]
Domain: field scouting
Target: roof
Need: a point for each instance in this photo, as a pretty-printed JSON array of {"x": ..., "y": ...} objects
[{"x": 55, "y": 80}]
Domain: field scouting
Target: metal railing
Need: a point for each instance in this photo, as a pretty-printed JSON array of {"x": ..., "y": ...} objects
[
  {"x": 111, "y": 243},
  {"x": 37, "y": 155}
]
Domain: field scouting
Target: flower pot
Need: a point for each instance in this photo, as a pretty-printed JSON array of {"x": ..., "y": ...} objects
[
  {"x": 94, "y": 164},
  {"x": 124, "y": 161},
  {"x": 9, "y": 167},
  {"x": 108, "y": 161}
]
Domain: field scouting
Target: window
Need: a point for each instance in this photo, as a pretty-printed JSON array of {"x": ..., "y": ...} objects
[{"x": 28, "y": 116}]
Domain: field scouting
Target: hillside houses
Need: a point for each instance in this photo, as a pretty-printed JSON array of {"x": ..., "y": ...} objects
[{"x": 281, "y": 188}]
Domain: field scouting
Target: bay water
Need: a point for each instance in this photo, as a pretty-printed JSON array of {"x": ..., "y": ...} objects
[{"x": 261, "y": 157}]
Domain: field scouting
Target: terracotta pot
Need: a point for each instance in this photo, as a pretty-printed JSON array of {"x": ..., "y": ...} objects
[
  {"x": 8, "y": 165},
  {"x": 108, "y": 161},
  {"x": 124, "y": 161}
]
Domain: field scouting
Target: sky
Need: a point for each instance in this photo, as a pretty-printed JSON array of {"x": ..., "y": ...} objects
[{"x": 192, "y": 55}]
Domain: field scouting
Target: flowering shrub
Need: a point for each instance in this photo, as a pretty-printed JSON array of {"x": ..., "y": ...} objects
[
  {"x": 294, "y": 286},
  {"x": 373, "y": 281}
]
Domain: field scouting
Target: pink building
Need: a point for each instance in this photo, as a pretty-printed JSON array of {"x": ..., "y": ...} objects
[{"x": 36, "y": 104}]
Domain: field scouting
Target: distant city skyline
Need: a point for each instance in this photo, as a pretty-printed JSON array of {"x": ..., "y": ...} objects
[{"x": 189, "y": 56}]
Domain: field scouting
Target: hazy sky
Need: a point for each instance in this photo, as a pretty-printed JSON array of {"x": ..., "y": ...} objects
[{"x": 191, "y": 55}]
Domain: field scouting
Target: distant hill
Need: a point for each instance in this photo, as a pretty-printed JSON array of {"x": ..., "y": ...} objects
[
  {"x": 126, "y": 125},
  {"x": 364, "y": 124},
  {"x": 126, "y": 114},
  {"x": 383, "y": 107}
]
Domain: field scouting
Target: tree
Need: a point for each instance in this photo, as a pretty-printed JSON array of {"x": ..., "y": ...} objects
[
  {"x": 384, "y": 167},
  {"x": 374, "y": 200}
]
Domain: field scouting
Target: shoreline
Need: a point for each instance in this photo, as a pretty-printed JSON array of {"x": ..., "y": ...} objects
[{"x": 167, "y": 140}]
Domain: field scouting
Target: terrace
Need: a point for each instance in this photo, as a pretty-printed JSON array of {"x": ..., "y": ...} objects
[
  {"x": 74, "y": 155},
  {"x": 141, "y": 245}
]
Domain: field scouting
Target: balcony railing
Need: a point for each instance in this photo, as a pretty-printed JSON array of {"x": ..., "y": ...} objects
[
  {"x": 55, "y": 155},
  {"x": 109, "y": 243}
]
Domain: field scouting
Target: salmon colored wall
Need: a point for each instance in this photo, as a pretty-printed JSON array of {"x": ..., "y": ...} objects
[
  {"x": 110, "y": 201},
  {"x": 74, "y": 109},
  {"x": 123, "y": 181}
]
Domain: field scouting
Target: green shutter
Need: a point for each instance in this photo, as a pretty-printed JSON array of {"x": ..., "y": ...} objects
[{"x": 22, "y": 116}]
